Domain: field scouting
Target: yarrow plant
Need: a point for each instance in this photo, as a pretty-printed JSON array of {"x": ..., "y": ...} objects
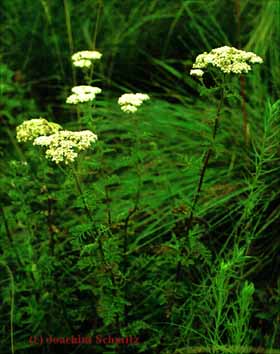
[
  {"x": 84, "y": 59},
  {"x": 64, "y": 145},
  {"x": 31, "y": 129},
  {"x": 63, "y": 148},
  {"x": 226, "y": 59},
  {"x": 129, "y": 102},
  {"x": 82, "y": 94}
]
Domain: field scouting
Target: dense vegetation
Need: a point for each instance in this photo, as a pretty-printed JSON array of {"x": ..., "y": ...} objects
[{"x": 120, "y": 244}]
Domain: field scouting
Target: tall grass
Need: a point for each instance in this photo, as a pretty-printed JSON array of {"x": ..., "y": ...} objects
[{"x": 227, "y": 296}]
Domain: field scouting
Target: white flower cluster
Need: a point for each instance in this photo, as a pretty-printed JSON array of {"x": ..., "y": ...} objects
[
  {"x": 64, "y": 145},
  {"x": 227, "y": 59},
  {"x": 31, "y": 129},
  {"x": 84, "y": 58},
  {"x": 197, "y": 72},
  {"x": 130, "y": 102},
  {"x": 83, "y": 93}
]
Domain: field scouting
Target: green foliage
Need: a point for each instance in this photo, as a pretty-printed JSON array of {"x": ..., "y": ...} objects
[
  {"x": 14, "y": 107},
  {"x": 115, "y": 244}
]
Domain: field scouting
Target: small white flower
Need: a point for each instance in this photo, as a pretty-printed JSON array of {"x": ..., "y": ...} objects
[
  {"x": 228, "y": 60},
  {"x": 129, "y": 102},
  {"x": 64, "y": 145},
  {"x": 87, "y": 54},
  {"x": 142, "y": 96},
  {"x": 83, "y": 59},
  {"x": 31, "y": 129},
  {"x": 85, "y": 89},
  {"x": 43, "y": 140},
  {"x": 128, "y": 108},
  {"x": 82, "y": 63},
  {"x": 72, "y": 99},
  {"x": 83, "y": 93},
  {"x": 129, "y": 98},
  {"x": 197, "y": 72}
]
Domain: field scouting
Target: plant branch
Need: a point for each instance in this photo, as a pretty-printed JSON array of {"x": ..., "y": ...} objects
[{"x": 203, "y": 170}]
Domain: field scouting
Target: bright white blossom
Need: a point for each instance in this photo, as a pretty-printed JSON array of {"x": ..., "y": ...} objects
[
  {"x": 82, "y": 63},
  {"x": 85, "y": 89},
  {"x": 83, "y": 93},
  {"x": 128, "y": 108},
  {"x": 31, "y": 129},
  {"x": 64, "y": 145},
  {"x": 84, "y": 58},
  {"x": 197, "y": 72},
  {"x": 129, "y": 102},
  {"x": 228, "y": 60}
]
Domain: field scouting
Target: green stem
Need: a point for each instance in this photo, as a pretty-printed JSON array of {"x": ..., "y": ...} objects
[
  {"x": 100, "y": 246},
  {"x": 49, "y": 220},
  {"x": 137, "y": 197},
  {"x": 98, "y": 16},
  {"x": 206, "y": 159},
  {"x": 204, "y": 168},
  {"x": 130, "y": 213},
  {"x": 78, "y": 185},
  {"x": 69, "y": 34}
]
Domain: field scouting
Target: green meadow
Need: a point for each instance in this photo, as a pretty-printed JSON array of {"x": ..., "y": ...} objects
[{"x": 139, "y": 176}]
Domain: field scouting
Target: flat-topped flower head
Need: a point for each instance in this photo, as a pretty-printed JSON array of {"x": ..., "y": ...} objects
[
  {"x": 129, "y": 102},
  {"x": 65, "y": 145},
  {"x": 84, "y": 59},
  {"x": 227, "y": 59},
  {"x": 31, "y": 129},
  {"x": 82, "y": 94}
]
